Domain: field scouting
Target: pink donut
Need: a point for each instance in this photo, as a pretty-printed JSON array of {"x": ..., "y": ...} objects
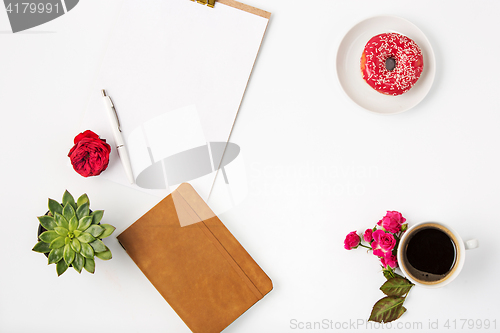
[{"x": 391, "y": 63}]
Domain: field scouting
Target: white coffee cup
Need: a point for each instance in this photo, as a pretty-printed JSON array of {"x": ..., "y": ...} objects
[{"x": 428, "y": 279}]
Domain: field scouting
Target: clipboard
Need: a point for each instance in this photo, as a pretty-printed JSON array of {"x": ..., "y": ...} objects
[
  {"x": 164, "y": 57},
  {"x": 194, "y": 262}
]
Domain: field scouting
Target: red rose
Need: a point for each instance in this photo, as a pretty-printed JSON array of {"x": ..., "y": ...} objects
[{"x": 90, "y": 154}]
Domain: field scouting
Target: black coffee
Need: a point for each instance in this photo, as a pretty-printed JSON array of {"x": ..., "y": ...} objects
[{"x": 431, "y": 251}]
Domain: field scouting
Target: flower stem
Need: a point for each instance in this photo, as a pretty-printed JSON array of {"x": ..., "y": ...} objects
[{"x": 369, "y": 248}]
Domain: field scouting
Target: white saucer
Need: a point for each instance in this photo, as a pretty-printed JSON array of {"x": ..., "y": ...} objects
[{"x": 349, "y": 72}]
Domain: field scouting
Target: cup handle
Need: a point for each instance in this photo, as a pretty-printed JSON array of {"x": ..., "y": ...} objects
[{"x": 471, "y": 244}]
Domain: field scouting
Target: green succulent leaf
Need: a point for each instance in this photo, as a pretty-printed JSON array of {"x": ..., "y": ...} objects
[
  {"x": 106, "y": 255},
  {"x": 387, "y": 309},
  {"x": 55, "y": 207},
  {"x": 73, "y": 224},
  {"x": 396, "y": 287},
  {"x": 61, "y": 267},
  {"x": 57, "y": 243},
  {"x": 61, "y": 221},
  {"x": 67, "y": 241},
  {"x": 69, "y": 254},
  {"x": 97, "y": 216},
  {"x": 82, "y": 211},
  {"x": 79, "y": 262},
  {"x": 68, "y": 199},
  {"x": 56, "y": 255},
  {"x": 41, "y": 247},
  {"x": 98, "y": 246},
  {"x": 61, "y": 231},
  {"x": 48, "y": 236},
  {"x": 89, "y": 265},
  {"x": 47, "y": 222},
  {"x": 68, "y": 212},
  {"x": 87, "y": 251},
  {"x": 75, "y": 244},
  {"x": 84, "y": 223},
  {"x": 77, "y": 233},
  {"x": 82, "y": 199},
  {"x": 95, "y": 230},
  {"x": 108, "y": 230},
  {"x": 85, "y": 237}
]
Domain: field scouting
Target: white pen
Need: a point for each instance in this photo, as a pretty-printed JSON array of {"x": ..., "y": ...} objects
[{"x": 117, "y": 133}]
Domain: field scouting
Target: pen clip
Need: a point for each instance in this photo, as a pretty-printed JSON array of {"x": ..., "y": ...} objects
[
  {"x": 113, "y": 107},
  {"x": 116, "y": 114}
]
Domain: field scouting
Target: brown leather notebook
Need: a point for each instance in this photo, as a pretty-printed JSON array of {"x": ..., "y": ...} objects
[{"x": 195, "y": 263}]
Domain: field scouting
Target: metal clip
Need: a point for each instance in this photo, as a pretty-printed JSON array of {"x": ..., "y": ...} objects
[
  {"x": 113, "y": 107},
  {"x": 209, "y": 3}
]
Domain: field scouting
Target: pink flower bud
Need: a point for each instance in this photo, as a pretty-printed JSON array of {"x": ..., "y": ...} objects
[
  {"x": 352, "y": 241},
  {"x": 389, "y": 260},
  {"x": 368, "y": 235},
  {"x": 383, "y": 242},
  {"x": 392, "y": 221}
]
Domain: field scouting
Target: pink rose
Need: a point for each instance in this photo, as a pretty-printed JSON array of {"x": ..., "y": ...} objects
[
  {"x": 392, "y": 221},
  {"x": 389, "y": 260},
  {"x": 352, "y": 241},
  {"x": 383, "y": 243},
  {"x": 368, "y": 235}
]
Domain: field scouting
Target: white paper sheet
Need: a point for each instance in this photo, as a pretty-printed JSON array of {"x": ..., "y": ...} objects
[{"x": 176, "y": 57}]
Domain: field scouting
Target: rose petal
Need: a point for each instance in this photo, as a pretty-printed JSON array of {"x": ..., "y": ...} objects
[{"x": 86, "y": 134}]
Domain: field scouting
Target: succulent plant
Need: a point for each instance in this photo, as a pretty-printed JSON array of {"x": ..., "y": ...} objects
[{"x": 73, "y": 234}]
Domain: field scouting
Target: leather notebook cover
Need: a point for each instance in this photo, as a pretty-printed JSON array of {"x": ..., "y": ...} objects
[{"x": 195, "y": 263}]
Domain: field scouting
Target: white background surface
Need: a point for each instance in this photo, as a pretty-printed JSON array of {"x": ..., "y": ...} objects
[{"x": 318, "y": 167}]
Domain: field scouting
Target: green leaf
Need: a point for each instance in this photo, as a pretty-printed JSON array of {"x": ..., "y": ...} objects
[
  {"x": 106, "y": 255},
  {"x": 68, "y": 199},
  {"x": 75, "y": 244},
  {"x": 84, "y": 223},
  {"x": 89, "y": 265},
  {"x": 55, "y": 207},
  {"x": 82, "y": 211},
  {"x": 48, "y": 236},
  {"x": 387, "y": 309},
  {"x": 98, "y": 246},
  {"x": 108, "y": 230},
  {"x": 388, "y": 273},
  {"x": 47, "y": 222},
  {"x": 41, "y": 247},
  {"x": 77, "y": 233},
  {"x": 69, "y": 254},
  {"x": 95, "y": 230},
  {"x": 97, "y": 216},
  {"x": 87, "y": 251},
  {"x": 73, "y": 223},
  {"x": 61, "y": 267},
  {"x": 82, "y": 199},
  {"x": 67, "y": 241},
  {"x": 61, "y": 231},
  {"x": 68, "y": 212},
  {"x": 85, "y": 237},
  {"x": 61, "y": 221},
  {"x": 79, "y": 262},
  {"x": 57, "y": 243},
  {"x": 56, "y": 255},
  {"x": 396, "y": 286}
]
